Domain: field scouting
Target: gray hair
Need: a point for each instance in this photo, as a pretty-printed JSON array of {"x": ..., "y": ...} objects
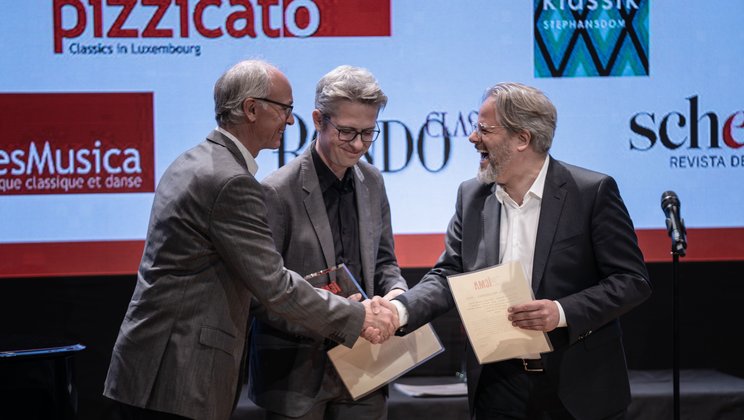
[
  {"x": 523, "y": 107},
  {"x": 247, "y": 79},
  {"x": 347, "y": 83}
]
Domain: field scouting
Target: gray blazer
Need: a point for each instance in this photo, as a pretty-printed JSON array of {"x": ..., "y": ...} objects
[
  {"x": 287, "y": 362},
  {"x": 586, "y": 257},
  {"x": 208, "y": 252}
]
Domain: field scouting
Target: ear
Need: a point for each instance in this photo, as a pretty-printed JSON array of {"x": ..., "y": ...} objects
[
  {"x": 317, "y": 119},
  {"x": 249, "y": 109},
  {"x": 524, "y": 138}
]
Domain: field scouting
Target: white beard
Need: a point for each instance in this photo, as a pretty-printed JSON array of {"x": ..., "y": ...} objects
[
  {"x": 498, "y": 159},
  {"x": 488, "y": 174}
]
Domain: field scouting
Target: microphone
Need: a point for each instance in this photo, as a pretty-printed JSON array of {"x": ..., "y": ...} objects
[{"x": 674, "y": 223}]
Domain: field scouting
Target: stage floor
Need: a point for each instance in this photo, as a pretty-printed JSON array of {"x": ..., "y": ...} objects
[{"x": 704, "y": 395}]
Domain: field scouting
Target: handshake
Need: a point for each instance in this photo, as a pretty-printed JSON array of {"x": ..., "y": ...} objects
[{"x": 380, "y": 318}]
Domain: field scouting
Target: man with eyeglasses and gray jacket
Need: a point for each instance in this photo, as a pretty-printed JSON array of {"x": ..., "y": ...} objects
[{"x": 326, "y": 207}]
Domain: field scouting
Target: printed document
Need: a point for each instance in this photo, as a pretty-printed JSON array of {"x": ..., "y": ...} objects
[
  {"x": 482, "y": 298},
  {"x": 366, "y": 367}
]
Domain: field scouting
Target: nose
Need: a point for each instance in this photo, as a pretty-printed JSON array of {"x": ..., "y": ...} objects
[
  {"x": 473, "y": 137},
  {"x": 291, "y": 119},
  {"x": 356, "y": 143}
]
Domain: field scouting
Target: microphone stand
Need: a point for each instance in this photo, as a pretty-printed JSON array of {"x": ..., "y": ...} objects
[
  {"x": 676, "y": 230},
  {"x": 675, "y": 331},
  {"x": 678, "y": 249}
]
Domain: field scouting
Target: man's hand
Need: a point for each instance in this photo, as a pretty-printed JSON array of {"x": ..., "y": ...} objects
[
  {"x": 380, "y": 320},
  {"x": 393, "y": 294},
  {"x": 537, "y": 315}
]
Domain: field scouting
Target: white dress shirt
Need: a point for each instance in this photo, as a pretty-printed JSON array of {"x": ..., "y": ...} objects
[
  {"x": 517, "y": 236},
  {"x": 518, "y": 233}
]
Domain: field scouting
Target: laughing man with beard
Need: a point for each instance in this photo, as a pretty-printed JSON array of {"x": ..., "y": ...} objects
[{"x": 569, "y": 228}]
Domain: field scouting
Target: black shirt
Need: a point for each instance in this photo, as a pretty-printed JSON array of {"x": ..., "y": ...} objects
[{"x": 340, "y": 204}]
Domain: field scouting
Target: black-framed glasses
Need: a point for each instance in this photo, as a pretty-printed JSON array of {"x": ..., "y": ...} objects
[
  {"x": 348, "y": 134},
  {"x": 481, "y": 129},
  {"x": 285, "y": 107}
]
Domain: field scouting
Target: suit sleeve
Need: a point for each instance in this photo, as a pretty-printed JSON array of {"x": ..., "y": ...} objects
[
  {"x": 622, "y": 277},
  {"x": 432, "y": 297},
  {"x": 240, "y": 232},
  {"x": 276, "y": 222},
  {"x": 387, "y": 271}
]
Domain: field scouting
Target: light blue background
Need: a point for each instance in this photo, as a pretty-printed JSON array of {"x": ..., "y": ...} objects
[{"x": 441, "y": 56}]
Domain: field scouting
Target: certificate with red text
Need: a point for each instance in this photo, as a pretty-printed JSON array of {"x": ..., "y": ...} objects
[{"x": 482, "y": 298}]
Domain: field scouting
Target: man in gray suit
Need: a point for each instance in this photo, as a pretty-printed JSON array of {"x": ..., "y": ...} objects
[
  {"x": 208, "y": 252},
  {"x": 326, "y": 207},
  {"x": 571, "y": 231}
]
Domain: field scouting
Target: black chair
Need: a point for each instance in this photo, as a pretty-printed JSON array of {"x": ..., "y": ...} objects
[{"x": 37, "y": 378}]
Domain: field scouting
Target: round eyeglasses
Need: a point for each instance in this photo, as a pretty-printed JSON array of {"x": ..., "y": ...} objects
[
  {"x": 481, "y": 129},
  {"x": 348, "y": 134}
]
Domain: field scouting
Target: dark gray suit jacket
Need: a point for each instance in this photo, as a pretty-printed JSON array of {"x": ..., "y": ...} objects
[
  {"x": 208, "y": 252},
  {"x": 586, "y": 257},
  {"x": 287, "y": 360}
]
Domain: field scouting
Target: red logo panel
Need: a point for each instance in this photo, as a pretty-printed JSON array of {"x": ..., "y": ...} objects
[
  {"x": 338, "y": 17},
  {"x": 112, "y": 19},
  {"x": 76, "y": 143}
]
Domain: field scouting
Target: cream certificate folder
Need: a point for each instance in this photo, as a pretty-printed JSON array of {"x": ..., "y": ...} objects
[
  {"x": 482, "y": 298},
  {"x": 366, "y": 367}
]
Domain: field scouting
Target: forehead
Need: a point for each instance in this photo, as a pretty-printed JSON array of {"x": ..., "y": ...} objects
[
  {"x": 487, "y": 113},
  {"x": 355, "y": 112},
  {"x": 280, "y": 88}
]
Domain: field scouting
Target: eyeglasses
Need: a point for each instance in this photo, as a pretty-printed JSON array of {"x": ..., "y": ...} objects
[
  {"x": 285, "y": 107},
  {"x": 481, "y": 129},
  {"x": 348, "y": 134}
]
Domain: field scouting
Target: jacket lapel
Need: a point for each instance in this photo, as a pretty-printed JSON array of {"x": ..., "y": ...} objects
[
  {"x": 491, "y": 217},
  {"x": 365, "y": 231},
  {"x": 315, "y": 207},
  {"x": 554, "y": 197}
]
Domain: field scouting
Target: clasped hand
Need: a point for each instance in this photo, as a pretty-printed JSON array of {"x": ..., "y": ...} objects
[{"x": 380, "y": 320}]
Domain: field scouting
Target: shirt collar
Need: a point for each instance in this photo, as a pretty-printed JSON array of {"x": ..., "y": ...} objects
[
  {"x": 326, "y": 177},
  {"x": 536, "y": 190},
  {"x": 250, "y": 161}
]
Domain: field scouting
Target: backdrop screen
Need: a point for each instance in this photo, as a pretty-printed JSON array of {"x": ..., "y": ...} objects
[{"x": 98, "y": 97}]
